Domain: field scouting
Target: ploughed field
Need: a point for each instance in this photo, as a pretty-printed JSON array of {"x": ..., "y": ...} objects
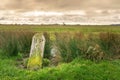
[{"x": 85, "y": 52}]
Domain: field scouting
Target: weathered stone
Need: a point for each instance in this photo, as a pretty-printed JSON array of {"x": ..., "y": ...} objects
[
  {"x": 36, "y": 52},
  {"x": 55, "y": 56},
  {"x": 54, "y": 51}
]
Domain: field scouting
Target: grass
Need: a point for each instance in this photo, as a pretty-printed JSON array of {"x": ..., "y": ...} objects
[
  {"x": 91, "y": 46},
  {"x": 77, "y": 69},
  {"x": 58, "y": 28},
  {"x": 110, "y": 42},
  {"x": 12, "y": 42}
]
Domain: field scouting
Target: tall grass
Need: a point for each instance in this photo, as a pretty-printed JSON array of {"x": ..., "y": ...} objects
[
  {"x": 110, "y": 43},
  {"x": 25, "y": 39},
  {"x": 13, "y": 42},
  {"x": 91, "y": 46},
  {"x": 48, "y": 44},
  {"x": 71, "y": 45}
]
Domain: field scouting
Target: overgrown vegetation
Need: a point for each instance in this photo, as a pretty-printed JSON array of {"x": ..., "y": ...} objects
[
  {"x": 85, "y": 52},
  {"x": 71, "y": 45},
  {"x": 79, "y": 69},
  {"x": 12, "y": 43},
  {"x": 89, "y": 46},
  {"x": 110, "y": 43},
  {"x": 48, "y": 44}
]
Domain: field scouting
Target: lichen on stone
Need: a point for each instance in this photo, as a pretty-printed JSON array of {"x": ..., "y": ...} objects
[
  {"x": 34, "y": 62},
  {"x": 36, "y": 52}
]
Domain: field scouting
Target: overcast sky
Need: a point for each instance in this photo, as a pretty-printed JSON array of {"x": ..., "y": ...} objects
[
  {"x": 58, "y": 5},
  {"x": 59, "y": 11}
]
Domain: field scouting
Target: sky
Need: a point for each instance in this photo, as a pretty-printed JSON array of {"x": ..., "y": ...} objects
[
  {"x": 59, "y": 11},
  {"x": 58, "y": 5}
]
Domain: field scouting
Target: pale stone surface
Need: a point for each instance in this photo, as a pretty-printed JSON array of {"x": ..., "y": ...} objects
[
  {"x": 55, "y": 56},
  {"x": 36, "y": 52},
  {"x": 54, "y": 51}
]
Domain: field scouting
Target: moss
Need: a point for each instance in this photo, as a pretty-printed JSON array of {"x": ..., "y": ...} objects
[
  {"x": 38, "y": 35},
  {"x": 35, "y": 62}
]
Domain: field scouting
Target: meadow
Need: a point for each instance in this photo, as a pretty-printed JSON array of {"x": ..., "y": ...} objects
[
  {"x": 86, "y": 52},
  {"x": 61, "y": 28}
]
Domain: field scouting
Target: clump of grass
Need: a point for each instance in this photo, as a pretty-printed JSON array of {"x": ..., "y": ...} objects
[
  {"x": 9, "y": 43},
  {"x": 46, "y": 62},
  {"x": 95, "y": 53},
  {"x": 47, "y": 45},
  {"x": 69, "y": 45},
  {"x": 76, "y": 45},
  {"x": 25, "y": 39},
  {"x": 110, "y": 43},
  {"x": 13, "y": 42}
]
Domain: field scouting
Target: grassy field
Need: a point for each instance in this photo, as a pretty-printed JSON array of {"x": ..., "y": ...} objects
[
  {"x": 58, "y": 28},
  {"x": 78, "y": 68}
]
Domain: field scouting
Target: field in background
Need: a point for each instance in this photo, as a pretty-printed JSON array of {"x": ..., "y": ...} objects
[
  {"x": 91, "y": 66},
  {"x": 60, "y": 28}
]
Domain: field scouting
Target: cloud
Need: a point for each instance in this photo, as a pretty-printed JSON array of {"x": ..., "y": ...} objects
[{"x": 26, "y": 5}]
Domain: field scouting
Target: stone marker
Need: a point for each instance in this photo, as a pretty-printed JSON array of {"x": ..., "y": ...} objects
[
  {"x": 55, "y": 56},
  {"x": 54, "y": 51},
  {"x": 36, "y": 52}
]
